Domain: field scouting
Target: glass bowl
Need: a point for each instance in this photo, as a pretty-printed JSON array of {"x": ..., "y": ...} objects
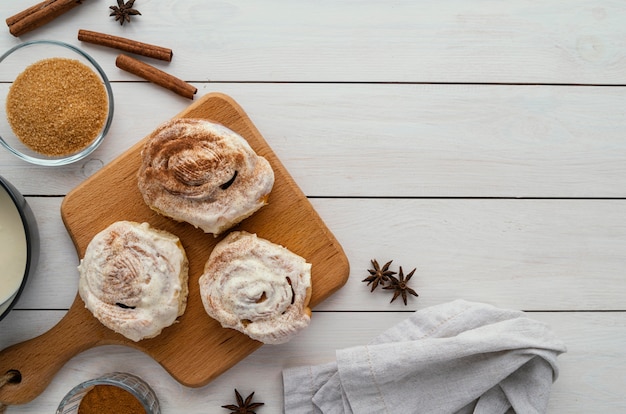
[
  {"x": 19, "y": 245},
  {"x": 13, "y": 63},
  {"x": 128, "y": 382}
]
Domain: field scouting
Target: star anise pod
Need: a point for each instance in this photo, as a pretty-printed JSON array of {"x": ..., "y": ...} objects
[
  {"x": 123, "y": 11},
  {"x": 243, "y": 407},
  {"x": 400, "y": 287},
  {"x": 378, "y": 275}
]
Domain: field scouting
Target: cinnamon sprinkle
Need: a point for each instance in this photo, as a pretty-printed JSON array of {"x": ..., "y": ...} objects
[{"x": 109, "y": 399}]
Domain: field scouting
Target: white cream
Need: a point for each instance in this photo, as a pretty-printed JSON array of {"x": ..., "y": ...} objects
[
  {"x": 12, "y": 247},
  {"x": 133, "y": 278},
  {"x": 186, "y": 165},
  {"x": 257, "y": 287}
]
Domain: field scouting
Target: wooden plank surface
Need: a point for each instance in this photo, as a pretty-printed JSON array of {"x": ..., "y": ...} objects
[
  {"x": 479, "y": 141},
  {"x": 399, "y": 140},
  {"x": 524, "y": 254},
  {"x": 587, "y": 377},
  {"x": 368, "y": 41}
]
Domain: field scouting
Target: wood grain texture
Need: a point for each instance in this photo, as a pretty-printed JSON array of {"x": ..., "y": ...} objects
[
  {"x": 398, "y": 140},
  {"x": 368, "y": 41},
  {"x": 112, "y": 195},
  {"x": 523, "y": 254},
  {"x": 587, "y": 380},
  {"x": 479, "y": 141}
]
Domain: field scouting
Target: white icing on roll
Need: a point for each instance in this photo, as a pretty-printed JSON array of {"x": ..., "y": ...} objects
[
  {"x": 134, "y": 278},
  {"x": 203, "y": 173},
  {"x": 257, "y": 287}
]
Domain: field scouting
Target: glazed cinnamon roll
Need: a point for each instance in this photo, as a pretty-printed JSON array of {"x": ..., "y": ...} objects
[
  {"x": 257, "y": 287},
  {"x": 134, "y": 279},
  {"x": 203, "y": 173}
]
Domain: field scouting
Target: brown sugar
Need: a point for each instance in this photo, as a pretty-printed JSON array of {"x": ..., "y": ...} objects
[
  {"x": 57, "y": 106},
  {"x": 109, "y": 399}
]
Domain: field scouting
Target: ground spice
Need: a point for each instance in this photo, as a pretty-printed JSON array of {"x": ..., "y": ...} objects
[
  {"x": 109, "y": 399},
  {"x": 57, "y": 106}
]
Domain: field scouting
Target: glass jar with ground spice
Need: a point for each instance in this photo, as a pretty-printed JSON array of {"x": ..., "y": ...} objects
[
  {"x": 113, "y": 393},
  {"x": 59, "y": 105}
]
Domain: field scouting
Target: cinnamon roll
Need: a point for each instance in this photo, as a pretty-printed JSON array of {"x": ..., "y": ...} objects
[
  {"x": 134, "y": 279},
  {"x": 204, "y": 174},
  {"x": 257, "y": 287}
]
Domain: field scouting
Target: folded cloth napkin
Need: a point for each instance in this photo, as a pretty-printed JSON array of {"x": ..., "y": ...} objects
[{"x": 458, "y": 357}]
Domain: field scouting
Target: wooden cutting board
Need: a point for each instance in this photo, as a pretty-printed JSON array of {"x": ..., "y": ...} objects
[{"x": 196, "y": 349}]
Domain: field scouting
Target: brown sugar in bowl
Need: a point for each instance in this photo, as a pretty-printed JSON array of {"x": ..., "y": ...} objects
[{"x": 59, "y": 106}]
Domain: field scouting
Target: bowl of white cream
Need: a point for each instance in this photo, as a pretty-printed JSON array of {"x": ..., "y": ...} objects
[{"x": 19, "y": 245}]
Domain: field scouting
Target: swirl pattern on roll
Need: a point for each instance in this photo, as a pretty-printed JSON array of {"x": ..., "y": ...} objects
[
  {"x": 133, "y": 278},
  {"x": 203, "y": 173},
  {"x": 257, "y": 287}
]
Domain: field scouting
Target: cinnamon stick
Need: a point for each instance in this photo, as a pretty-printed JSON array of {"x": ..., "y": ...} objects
[
  {"x": 127, "y": 45},
  {"x": 38, "y": 15},
  {"x": 154, "y": 75}
]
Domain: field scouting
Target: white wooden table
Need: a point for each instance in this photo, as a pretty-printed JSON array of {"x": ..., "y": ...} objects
[{"x": 482, "y": 142}]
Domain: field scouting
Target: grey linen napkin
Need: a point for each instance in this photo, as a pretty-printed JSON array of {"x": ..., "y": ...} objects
[{"x": 458, "y": 357}]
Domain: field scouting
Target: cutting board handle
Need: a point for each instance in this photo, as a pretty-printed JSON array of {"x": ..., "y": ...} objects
[{"x": 39, "y": 359}]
